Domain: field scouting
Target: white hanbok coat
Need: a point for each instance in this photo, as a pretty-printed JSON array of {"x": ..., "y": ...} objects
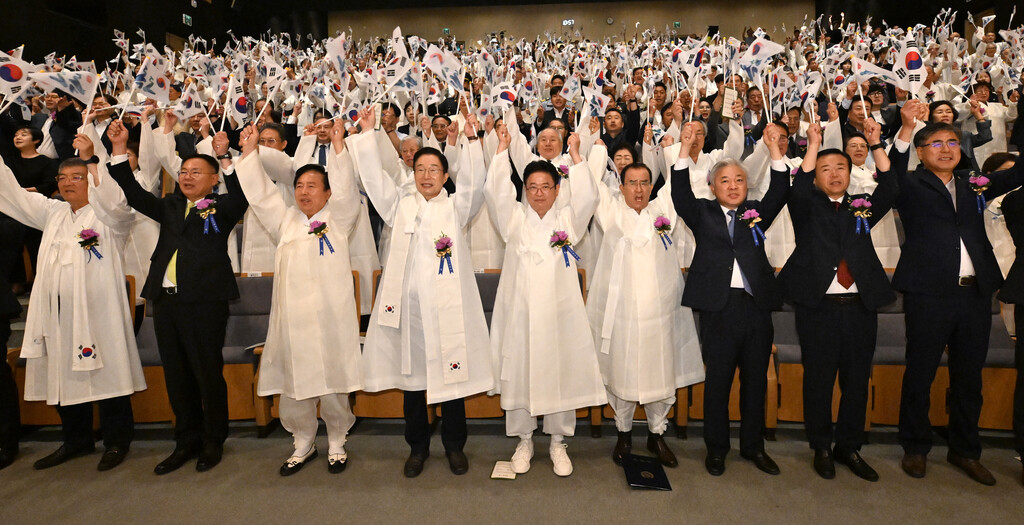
[
  {"x": 542, "y": 349},
  {"x": 79, "y": 342},
  {"x": 647, "y": 342},
  {"x": 431, "y": 335},
  {"x": 312, "y": 346}
]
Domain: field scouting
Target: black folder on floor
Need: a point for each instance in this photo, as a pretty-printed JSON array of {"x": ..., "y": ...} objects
[{"x": 644, "y": 472}]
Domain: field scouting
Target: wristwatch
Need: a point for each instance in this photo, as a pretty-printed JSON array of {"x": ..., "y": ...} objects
[
  {"x": 880, "y": 145},
  {"x": 93, "y": 160},
  {"x": 226, "y": 156}
]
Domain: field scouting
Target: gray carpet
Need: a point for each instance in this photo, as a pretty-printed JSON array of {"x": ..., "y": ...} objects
[{"x": 245, "y": 487}]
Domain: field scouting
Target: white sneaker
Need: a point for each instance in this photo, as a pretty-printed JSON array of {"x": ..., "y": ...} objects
[
  {"x": 563, "y": 467},
  {"x": 522, "y": 456}
]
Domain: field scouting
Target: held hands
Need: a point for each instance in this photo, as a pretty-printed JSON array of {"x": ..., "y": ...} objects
[
  {"x": 249, "y": 139},
  {"x": 771, "y": 139}
]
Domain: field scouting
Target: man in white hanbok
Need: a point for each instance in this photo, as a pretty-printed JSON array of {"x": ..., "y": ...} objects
[
  {"x": 312, "y": 354},
  {"x": 647, "y": 341},
  {"x": 79, "y": 344},
  {"x": 427, "y": 334},
  {"x": 542, "y": 350}
]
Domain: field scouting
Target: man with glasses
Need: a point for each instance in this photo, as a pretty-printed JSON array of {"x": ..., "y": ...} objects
[
  {"x": 947, "y": 273},
  {"x": 189, "y": 285},
  {"x": 79, "y": 343}
]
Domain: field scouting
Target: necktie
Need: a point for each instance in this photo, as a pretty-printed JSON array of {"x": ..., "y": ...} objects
[
  {"x": 322, "y": 156},
  {"x": 732, "y": 230},
  {"x": 843, "y": 274},
  {"x": 172, "y": 266}
]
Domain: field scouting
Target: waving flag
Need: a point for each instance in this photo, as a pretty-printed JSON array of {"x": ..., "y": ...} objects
[
  {"x": 865, "y": 70},
  {"x": 238, "y": 106},
  {"x": 14, "y": 74},
  {"x": 444, "y": 65},
  {"x": 337, "y": 51},
  {"x": 761, "y": 49},
  {"x": 503, "y": 96},
  {"x": 909, "y": 67},
  {"x": 81, "y": 85},
  {"x": 189, "y": 103},
  {"x": 152, "y": 80}
]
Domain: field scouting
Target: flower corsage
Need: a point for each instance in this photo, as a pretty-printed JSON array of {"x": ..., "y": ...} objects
[
  {"x": 979, "y": 183},
  {"x": 664, "y": 227},
  {"x": 751, "y": 218},
  {"x": 443, "y": 247},
  {"x": 564, "y": 170},
  {"x": 862, "y": 211},
  {"x": 560, "y": 240},
  {"x": 320, "y": 229},
  {"x": 90, "y": 241},
  {"x": 207, "y": 208}
]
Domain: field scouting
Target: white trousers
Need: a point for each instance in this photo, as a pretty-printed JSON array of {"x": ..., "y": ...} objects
[
  {"x": 299, "y": 418},
  {"x": 520, "y": 423},
  {"x": 657, "y": 412}
]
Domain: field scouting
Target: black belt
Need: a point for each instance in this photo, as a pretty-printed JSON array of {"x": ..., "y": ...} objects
[
  {"x": 843, "y": 298},
  {"x": 968, "y": 280},
  {"x": 170, "y": 290}
]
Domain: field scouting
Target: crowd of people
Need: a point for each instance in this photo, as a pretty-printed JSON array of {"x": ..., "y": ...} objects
[{"x": 628, "y": 160}]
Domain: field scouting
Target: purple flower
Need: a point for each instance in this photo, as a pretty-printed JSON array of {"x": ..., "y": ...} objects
[
  {"x": 750, "y": 214},
  {"x": 87, "y": 234},
  {"x": 980, "y": 180},
  {"x": 564, "y": 169},
  {"x": 443, "y": 243},
  {"x": 559, "y": 236},
  {"x": 661, "y": 222},
  {"x": 861, "y": 203},
  {"x": 203, "y": 204}
]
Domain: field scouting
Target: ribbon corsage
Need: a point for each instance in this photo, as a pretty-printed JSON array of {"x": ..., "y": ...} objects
[
  {"x": 560, "y": 240},
  {"x": 320, "y": 229},
  {"x": 443, "y": 247},
  {"x": 663, "y": 227},
  {"x": 862, "y": 211},
  {"x": 979, "y": 183},
  {"x": 90, "y": 241},
  {"x": 751, "y": 217},
  {"x": 207, "y": 209},
  {"x": 564, "y": 170}
]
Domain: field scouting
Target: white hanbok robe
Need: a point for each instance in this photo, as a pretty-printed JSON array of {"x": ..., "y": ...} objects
[
  {"x": 312, "y": 346},
  {"x": 432, "y": 334},
  {"x": 883, "y": 234},
  {"x": 542, "y": 349},
  {"x": 258, "y": 244},
  {"x": 79, "y": 342},
  {"x": 647, "y": 342},
  {"x": 780, "y": 238}
]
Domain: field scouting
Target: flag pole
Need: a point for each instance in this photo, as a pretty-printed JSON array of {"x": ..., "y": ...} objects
[
  {"x": 860, "y": 91},
  {"x": 131, "y": 93},
  {"x": 270, "y": 96},
  {"x": 231, "y": 84}
]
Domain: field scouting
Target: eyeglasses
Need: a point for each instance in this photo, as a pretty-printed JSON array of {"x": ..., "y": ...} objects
[
  {"x": 951, "y": 144},
  {"x": 192, "y": 174},
  {"x": 543, "y": 188},
  {"x": 70, "y": 178},
  {"x": 432, "y": 171},
  {"x": 268, "y": 142},
  {"x": 439, "y": 126}
]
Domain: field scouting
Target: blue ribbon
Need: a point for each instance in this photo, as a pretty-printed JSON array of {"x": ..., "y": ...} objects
[
  {"x": 864, "y": 221},
  {"x": 323, "y": 239},
  {"x": 666, "y": 241},
  {"x": 440, "y": 267},
  {"x": 566, "y": 252},
  {"x": 981, "y": 203},
  {"x": 93, "y": 251},
  {"x": 758, "y": 234},
  {"x": 206, "y": 225}
]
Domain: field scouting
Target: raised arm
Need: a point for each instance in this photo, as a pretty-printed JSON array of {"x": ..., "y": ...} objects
[
  {"x": 884, "y": 196},
  {"x": 583, "y": 198},
  {"x": 519, "y": 148},
  {"x": 149, "y": 163},
  {"x": 499, "y": 192},
  {"x": 344, "y": 201},
  {"x": 778, "y": 189},
  {"x": 380, "y": 187},
  {"x": 105, "y": 196},
  {"x": 259, "y": 190},
  {"x": 683, "y": 199},
  {"x": 472, "y": 173},
  {"x": 27, "y": 207}
]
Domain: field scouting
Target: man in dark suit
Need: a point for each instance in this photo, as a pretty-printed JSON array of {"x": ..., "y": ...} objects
[
  {"x": 1017, "y": 134},
  {"x": 186, "y": 142},
  {"x": 59, "y": 122},
  {"x": 189, "y": 285},
  {"x": 836, "y": 284},
  {"x": 1013, "y": 292},
  {"x": 558, "y": 111},
  {"x": 947, "y": 273},
  {"x": 733, "y": 287},
  {"x": 10, "y": 417}
]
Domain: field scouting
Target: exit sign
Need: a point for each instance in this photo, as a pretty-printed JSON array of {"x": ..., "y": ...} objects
[
  {"x": 675, "y": 25},
  {"x": 447, "y": 31},
  {"x": 186, "y": 19}
]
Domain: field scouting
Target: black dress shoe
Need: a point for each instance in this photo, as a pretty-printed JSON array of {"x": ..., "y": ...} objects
[
  {"x": 623, "y": 446},
  {"x": 179, "y": 457},
  {"x": 972, "y": 467},
  {"x": 112, "y": 457},
  {"x": 295, "y": 463},
  {"x": 763, "y": 462},
  {"x": 656, "y": 444},
  {"x": 458, "y": 462},
  {"x": 61, "y": 455},
  {"x": 914, "y": 464},
  {"x": 7, "y": 456},
  {"x": 824, "y": 465},
  {"x": 857, "y": 465},
  {"x": 715, "y": 464},
  {"x": 414, "y": 465},
  {"x": 336, "y": 463},
  {"x": 209, "y": 456}
]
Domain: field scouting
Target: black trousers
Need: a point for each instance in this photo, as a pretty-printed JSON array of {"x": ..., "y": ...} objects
[
  {"x": 836, "y": 339},
  {"x": 962, "y": 320},
  {"x": 116, "y": 423},
  {"x": 738, "y": 335},
  {"x": 1018, "y": 392},
  {"x": 10, "y": 415},
  {"x": 417, "y": 429},
  {"x": 190, "y": 339}
]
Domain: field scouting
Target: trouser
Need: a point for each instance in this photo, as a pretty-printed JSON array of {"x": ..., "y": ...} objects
[
  {"x": 417, "y": 428},
  {"x": 657, "y": 413},
  {"x": 738, "y": 334},
  {"x": 299, "y": 418},
  {"x": 10, "y": 416},
  {"x": 116, "y": 423},
  {"x": 836, "y": 338},
  {"x": 519, "y": 422},
  {"x": 962, "y": 320},
  {"x": 190, "y": 339},
  {"x": 1018, "y": 392}
]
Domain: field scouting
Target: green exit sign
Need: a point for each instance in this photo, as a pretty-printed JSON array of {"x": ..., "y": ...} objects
[
  {"x": 675, "y": 25},
  {"x": 186, "y": 19},
  {"x": 447, "y": 31}
]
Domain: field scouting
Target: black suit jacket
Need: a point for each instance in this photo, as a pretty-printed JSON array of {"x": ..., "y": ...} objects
[
  {"x": 204, "y": 270},
  {"x": 825, "y": 236},
  {"x": 710, "y": 274},
  {"x": 185, "y": 143},
  {"x": 63, "y": 129},
  {"x": 566, "y": 117},
  {"x": 1013, "y": 211},
  {"x": 1017, "y": 134},
  {"x": 930, "y": 255}
]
